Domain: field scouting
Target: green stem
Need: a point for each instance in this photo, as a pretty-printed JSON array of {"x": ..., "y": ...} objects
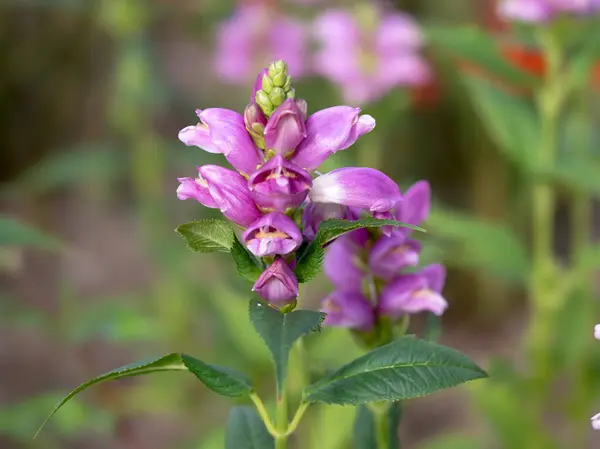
[
  {"x": 281, "y": 421},
  {"x": 262, "y": 412},
  {"x": 544, "y": 300},
  {"x": 382, "y": 428}
]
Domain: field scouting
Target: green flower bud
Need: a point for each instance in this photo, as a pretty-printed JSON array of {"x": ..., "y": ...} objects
[
  {"x": 280, "y": 79},
  {"x": 288, "y": 83},
  {"x": 277, "y": 96},
  {"x": 291, "y": 93},
  {"x": 262, "y": 99},
  {"x": 267, "y": 84},
  {"x": 278, "y": 67}
]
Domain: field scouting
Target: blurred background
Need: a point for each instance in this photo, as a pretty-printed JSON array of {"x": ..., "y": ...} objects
[{"x": 92, "y": 276}]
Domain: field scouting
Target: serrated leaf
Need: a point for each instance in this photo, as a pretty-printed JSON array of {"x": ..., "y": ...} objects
[
  {"x": 15, "y": 233},
  {"x": 223, "y": 381},
  {"x": 246, "y": 264},
  {"x": 473, "y": 45},
  {"x": 245, "y": 430},
  {"x": 404, "y": 369},
  {"x": 510, "y": 121},
  {"x": 365, "y": 436},
  {"x": 280, "y": 331},
  {"x": 311, "y": 259},
  {"x": 208, "y": 235}
]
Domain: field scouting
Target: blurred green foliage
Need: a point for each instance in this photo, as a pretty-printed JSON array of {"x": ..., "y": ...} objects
[{"x": 94, "y": 127}]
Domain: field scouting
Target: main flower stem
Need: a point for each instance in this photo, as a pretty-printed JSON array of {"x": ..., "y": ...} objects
[{"x": 281, "y": 421}]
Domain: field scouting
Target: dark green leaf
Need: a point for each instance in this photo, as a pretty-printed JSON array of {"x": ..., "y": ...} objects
[
  {"x": 310, "y": 261},
  {"x": 510, "y": 121},
  {"x": 404, "y": 369},
  {"x": 207, "y": 236},
  {"x": 15, "y": 233},
  {"x": 364, "y": 427},
  {"x": 475, "y": 46},
  {"x": 280, "y": 331},
  {"x": 245, "y": 430},
  {"x": 247, "y": 265},
  {"x": 223, "y": 381}
]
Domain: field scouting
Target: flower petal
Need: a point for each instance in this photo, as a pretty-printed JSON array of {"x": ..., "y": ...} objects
[
  {"x": 228, "y": 133},
  {"x": 229, "y": 191},
  {"x": 285, "y": 128},
  {"x": 279, "y": 185},
  {"x": 391, "y": 254},
  {"x": 362, "y": 187},
  {"x": 272, "y": 234},
  {"x": 328, "y": 131},
  {"x": 435, "y": 274},
  {"x": 348, "y": 309},
  {"x": 196, "y": 189},
  {"x": 409, "y": 293},
  {"x": 340, "y": 264},
  {"x": 415, "y": 205}
]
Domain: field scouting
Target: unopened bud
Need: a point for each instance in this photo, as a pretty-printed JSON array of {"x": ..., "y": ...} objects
[
  {"x": 278, "y": 67},
  {"x": 255, "y": 121},
  {"x": 280, "y": 79},
  {"x": 277, "y": 96},
  {"x": 288, "y": 83},
  {"x": 290, "y": 93},
  {"x": 262, "y": 99},
  {"x": 267, "y": 84}
]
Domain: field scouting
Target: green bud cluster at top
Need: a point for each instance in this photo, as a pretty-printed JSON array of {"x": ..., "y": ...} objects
[{"x": 276, "y": 88}]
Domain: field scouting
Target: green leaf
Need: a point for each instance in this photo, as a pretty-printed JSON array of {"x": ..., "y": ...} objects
[
  {"x": 16, "y": 233},
  {"x": 365, "y": 431},
  {"x": 311, "y": 259},
  {"x": 480, "y": 244},
  {"x": 208, "y": 235},
  {"x": 404, "y": 369},
  {"x": 510, "y": 121},
  {"x": 280, "y": 331},
  {"x": 223, "y": 381},
  {"x": 83, "y": 164},
  {"x": 474, "y": 45},
  {"x": 213, "y": 235},
  {"x": 245, "y": 430},
  {"x": 247, "y": 265},
  {"x": 579, "y": 69}
]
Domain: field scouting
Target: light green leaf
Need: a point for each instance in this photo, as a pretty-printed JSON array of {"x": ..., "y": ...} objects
[
  {"x": 480, "y": 244},
  {"x": 311, "y": 259},
  {"x": 280, "y": 331},
  {"x": 510, "y": 121},
  {"x": 365, "y": 436},
  {"x": 15, "y": 233},
  {"x": 473, "y": 45},
  {"x": 245, "y": 430},
  {"x": 404, "y": 369},
  {"x": 208, "y": 235},
  {"x": 223, "y": 381}
]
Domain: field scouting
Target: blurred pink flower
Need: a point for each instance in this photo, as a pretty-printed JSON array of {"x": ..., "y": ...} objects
[
  {"x": 543, "y": 10},
  {"x": 369, "y": 53},
  {"x": 254, "y": 36}
]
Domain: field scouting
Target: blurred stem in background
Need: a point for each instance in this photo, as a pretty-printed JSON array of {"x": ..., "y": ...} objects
[{"x": 544, "y": 267}]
